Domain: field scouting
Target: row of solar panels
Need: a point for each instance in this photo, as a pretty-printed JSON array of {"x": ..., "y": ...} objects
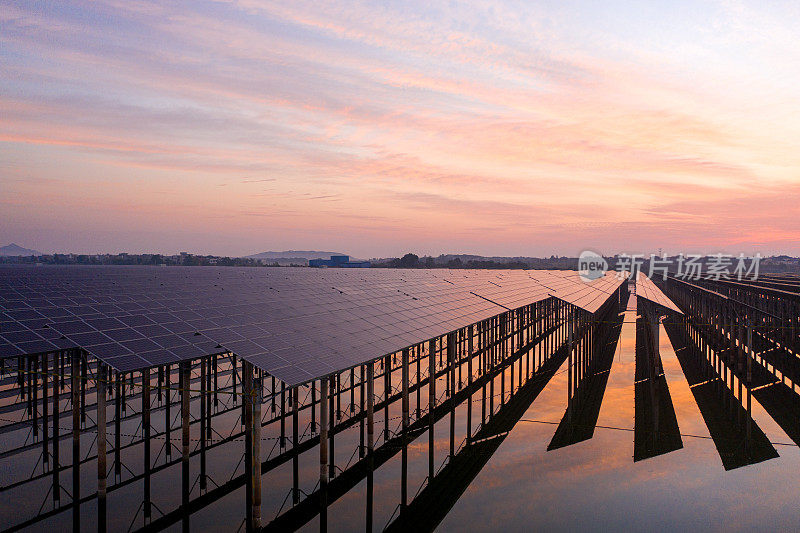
[
  {"x": 645, "y": 288},
  {"x": 294, "y": 323}
]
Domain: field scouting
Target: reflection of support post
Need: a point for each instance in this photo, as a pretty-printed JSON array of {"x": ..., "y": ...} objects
[
  {"x": 76, "y": 442},
  {"x": 370, "y": 440},
  {"x": 185, "y": 370},
  {"x": 100, "y": 388},
  {"x": 323, "y": 456},
  {"x": 404, "y": 459}
]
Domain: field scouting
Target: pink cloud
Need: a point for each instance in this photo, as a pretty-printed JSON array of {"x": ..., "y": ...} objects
[{"x": 462, "y": 128}]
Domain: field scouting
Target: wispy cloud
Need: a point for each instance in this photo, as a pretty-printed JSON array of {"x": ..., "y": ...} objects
[{"x": 496, "y": 127}]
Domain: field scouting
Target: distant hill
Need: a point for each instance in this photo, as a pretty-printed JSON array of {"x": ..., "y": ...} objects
[
  {"x": 16, "y": 250},
  {"x": 444, "y": 258},
  {"x": 481, "y": 261},
  {"x": 295, "y": 254}
]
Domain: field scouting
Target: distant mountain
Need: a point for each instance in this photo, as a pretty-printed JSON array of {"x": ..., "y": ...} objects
[
  {"x": 16, "y": 250},
  {"x": 295, "y": 254}
]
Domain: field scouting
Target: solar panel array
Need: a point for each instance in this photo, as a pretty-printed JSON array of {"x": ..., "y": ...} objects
[
  {"x": 586, "y": 295},
  {"x": 295, "y": 323},
  {"x": 645, "y": 288}
]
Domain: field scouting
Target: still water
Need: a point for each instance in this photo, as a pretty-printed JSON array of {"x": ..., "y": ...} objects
[
  {"x": 528, "y": 469},
  {"x": 595, "y": 484}
]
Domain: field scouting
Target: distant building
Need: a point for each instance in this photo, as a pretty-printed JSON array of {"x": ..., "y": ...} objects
[{"x": 338, "y": 261}]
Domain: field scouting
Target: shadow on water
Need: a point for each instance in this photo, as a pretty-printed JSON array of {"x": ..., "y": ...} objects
[
  {"x": 498, "y": 385},
  {"x": 579, "y": 425},
  {"x": 738, "y": 439},
  {"x": 433, "y": 503},
  {"x": 656, "y": 430},
  {"x": 441, "y": 490},
  {"x": 783, "y": 405}
]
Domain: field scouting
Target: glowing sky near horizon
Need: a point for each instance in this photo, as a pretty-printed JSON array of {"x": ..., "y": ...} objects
[{"x": 511, "y": 128}]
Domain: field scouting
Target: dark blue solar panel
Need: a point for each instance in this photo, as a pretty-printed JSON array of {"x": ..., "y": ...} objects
[{"x": 295, "y": 323}]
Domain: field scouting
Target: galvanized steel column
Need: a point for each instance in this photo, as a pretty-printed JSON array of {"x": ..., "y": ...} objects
[
  {"x": 76, "y": 441},
  {"x": 185, "y": 378},
  {"x": 323, "y": 455},
  {"x": 370, "y": 440},
  {"x": 100, "y": 387}
]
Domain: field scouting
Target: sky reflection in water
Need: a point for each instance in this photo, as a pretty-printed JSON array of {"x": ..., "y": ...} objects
[{"x": 595, "y": 485}]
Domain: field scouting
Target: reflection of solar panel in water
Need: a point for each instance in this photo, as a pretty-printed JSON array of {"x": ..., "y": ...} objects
[{"x": 295, "y": 323}]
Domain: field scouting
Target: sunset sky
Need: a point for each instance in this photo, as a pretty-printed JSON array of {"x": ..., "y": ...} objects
[{"x": 514, "y": 128}]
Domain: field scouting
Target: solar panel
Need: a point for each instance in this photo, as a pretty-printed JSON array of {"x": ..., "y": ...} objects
[
  {"x": 294, "y": 323},
  {"x": 645, "y": 288},
  {"x": 586, "y": 294}
]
